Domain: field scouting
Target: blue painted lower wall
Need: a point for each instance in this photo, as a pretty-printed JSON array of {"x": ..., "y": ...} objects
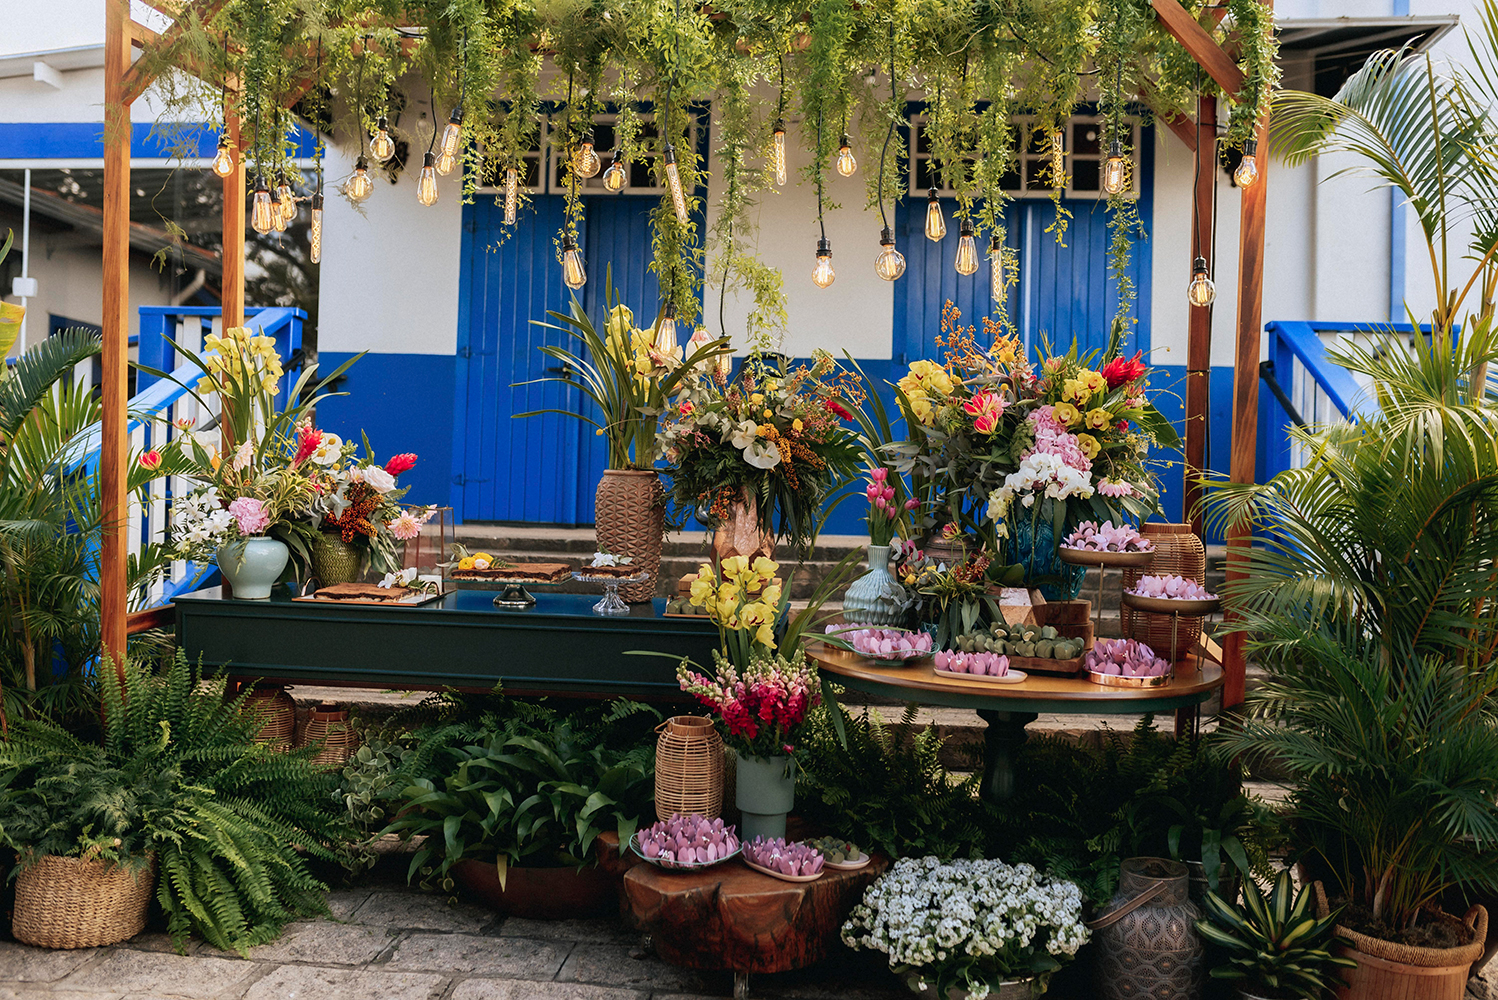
[
  {"x": 403, "y": 402},
  {"x": 1168, "y": 387}
]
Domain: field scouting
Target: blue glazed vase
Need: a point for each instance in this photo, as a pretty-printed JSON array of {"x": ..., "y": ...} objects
[
  {"x": 253, "y": 566},
  {"x": 876, "y": 598},
  {"x": 764, "y": 791},
  {"x": 1034, "y": 547}
]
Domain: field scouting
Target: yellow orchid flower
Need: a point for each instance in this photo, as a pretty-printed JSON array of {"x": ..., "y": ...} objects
[
  {"x": 1067, "y": 414},
  {"x": 1099, "y": 419},
  {"x": 765, "y": 568},
  {"x": 765, "y": 636},
  {"x": 702, "y": 591},
  {"x": 771, "y": 595},
  {"x": 1089, "y": 446}
]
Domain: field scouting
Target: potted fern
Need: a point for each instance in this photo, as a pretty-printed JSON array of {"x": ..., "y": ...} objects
[{"x": 1274, "y": 947}]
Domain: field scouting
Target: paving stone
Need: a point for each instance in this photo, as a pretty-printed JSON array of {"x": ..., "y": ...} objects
[
  {"x": 157, "y": 941},
  {"x": 345, "y": 902},
  {"x": 468, "y": 955},
  {"x": 198, "y": 978},
  {"x": 22, "y": 963},
  {"x": 323, "y": 942},
  {"x": 518, "y": 989},
  {"x": 611, "y": 965},
  {"x": 308, "y": 982},
  {"x": 45, "y": 993},
  {"x": 416, "y": 911},
  {"x": 591, "y": 931}
]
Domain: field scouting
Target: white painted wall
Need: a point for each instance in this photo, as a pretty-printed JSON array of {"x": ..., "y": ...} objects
[{"x": 31, "y": 26}]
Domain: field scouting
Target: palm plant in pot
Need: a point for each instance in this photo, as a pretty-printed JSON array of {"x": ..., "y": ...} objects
[{"x": 1274, "y": 947}]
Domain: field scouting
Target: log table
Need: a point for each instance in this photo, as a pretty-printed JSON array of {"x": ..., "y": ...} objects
[
  {"x": 732, "y": 918},
  {"x": 1009, "y": 708}
]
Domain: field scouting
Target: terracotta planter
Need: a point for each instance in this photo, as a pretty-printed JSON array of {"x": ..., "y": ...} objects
[
  {"x": 1389, "y": 971},
  {"x": 540, "y": 893},
  {"x": 630, "y": 519},
  {"x": 740, "y": 535}
]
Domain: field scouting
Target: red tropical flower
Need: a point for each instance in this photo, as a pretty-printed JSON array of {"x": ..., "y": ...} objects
[
  {"x": 839, "y": 409},
  {"x": 401, "y": 463},
  {"x": 151, "y": 460},
  {"x": 1121, "y": 372},
  {"x": 310, "y": 438}
]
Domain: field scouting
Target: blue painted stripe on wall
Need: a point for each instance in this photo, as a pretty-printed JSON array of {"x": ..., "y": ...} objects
[{"x": 85, "y": 140}]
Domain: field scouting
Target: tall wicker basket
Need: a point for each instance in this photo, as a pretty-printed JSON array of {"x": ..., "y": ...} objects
[
  {"x": 688, "y": 768},
  {"x": 78, "y": 903},
  {"x": 328, "y": 724},
  {"x": 1178, "y": 552},
  {"x": 277, "y": 714}
]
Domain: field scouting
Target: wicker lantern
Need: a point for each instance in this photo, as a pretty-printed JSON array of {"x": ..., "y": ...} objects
[
  {"x": 328, "y": 724},
  {"x": 688, "y": 768},
  {"x": 1178, "y": 552},
  {"x": 276, "y": 712}
]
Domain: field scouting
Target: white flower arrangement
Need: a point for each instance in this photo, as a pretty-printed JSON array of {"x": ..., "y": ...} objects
[
  {"x": 968, "y": 924},
  {"x": 201, "y": 524}
]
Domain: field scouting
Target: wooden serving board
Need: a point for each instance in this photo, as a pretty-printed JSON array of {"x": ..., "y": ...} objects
[
  {"x": 425, "y": 599},
  {"x": 1046, "y": 665}
]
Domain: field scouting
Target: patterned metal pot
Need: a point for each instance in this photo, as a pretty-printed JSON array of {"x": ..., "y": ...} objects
[
  {"x": 1147, "y": 944},
  {"x": 335, "y": 561}
]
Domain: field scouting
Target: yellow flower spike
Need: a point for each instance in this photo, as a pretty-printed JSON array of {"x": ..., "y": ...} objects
[
  {"x": 765, "y": 636},
  {"x": 1089, "y": 446}
]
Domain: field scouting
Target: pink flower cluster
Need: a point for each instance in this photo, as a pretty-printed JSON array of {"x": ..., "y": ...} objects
[
  {"x": 771, "y": 694},
  {"x": 1107, "y": 538},
  {"x": 687, "y": 841},
  {"x": 990, "y": 664},
  {"x": 985, "y": 408},
  {"x": 787, "y": 859},
  {"x": 1124, "y": 658},
  {"x": 1176, "y": 588},
  {"x": 884, "y": 643},
  {"x": 1052, "y": 438},
  {"x": 1115, "y": 488},
  {"x": 250, "y": 515}
]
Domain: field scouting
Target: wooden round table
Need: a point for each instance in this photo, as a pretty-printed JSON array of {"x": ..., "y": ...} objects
[{"x": 1009, "y": 708}]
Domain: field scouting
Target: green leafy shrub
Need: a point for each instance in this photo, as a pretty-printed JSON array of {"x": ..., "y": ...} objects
[
  {"x": 371, "y": 781},
  {"x": 1274, "y": 946}
]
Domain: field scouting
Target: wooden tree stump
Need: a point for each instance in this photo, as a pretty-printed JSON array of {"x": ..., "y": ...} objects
[{"x": 733, "y": 918}]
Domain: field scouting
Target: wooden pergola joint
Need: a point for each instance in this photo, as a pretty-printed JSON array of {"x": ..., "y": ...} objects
[{"x": 1202, "y": 46}]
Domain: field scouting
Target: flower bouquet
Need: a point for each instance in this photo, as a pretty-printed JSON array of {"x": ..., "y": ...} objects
[
  {"x": 356, "y": 512},
  {"x": 969, "y": 925},
  {"x": 949, "y": 601}
]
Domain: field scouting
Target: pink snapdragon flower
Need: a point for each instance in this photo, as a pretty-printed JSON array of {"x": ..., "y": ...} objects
[{"x": 250, "y": 515}]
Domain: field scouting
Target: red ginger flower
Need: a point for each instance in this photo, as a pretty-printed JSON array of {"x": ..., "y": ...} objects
[
  {"x": 401, "y": 463},
  {"x": 1121, "y": 372},
  {"x": 309, "y": 439}
]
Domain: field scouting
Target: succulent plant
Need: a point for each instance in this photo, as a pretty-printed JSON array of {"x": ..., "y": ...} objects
[
  {"x": 835, "y": 850},
  {"x": 1177, "y": 588},
  {"x": 1274, "y": 943},
  {"x": 1020, "y": 640},
  {"x": 1124, "y": 658},
  {"x": 991, "y": 664},
  {"x": 787, "y": 859},
  {"x": 687, "y": 841},
  {"x": 1093, "y": 537},
  {"x": 881, "y": 643}
]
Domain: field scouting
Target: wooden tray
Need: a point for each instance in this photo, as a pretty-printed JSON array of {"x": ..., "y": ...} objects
[
  {"x": 424, "y": 599},
  {"x": 1172, "y": 605},
  {"x": 1091, "y": 557},
  {"x": 1047, "y": 664}
]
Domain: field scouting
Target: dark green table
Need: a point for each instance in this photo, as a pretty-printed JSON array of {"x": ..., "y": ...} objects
[{"x": 557, "y": 647}]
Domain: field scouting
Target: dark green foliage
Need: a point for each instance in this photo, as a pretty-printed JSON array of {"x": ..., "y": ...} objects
[{"x": 1274, "y": 945}]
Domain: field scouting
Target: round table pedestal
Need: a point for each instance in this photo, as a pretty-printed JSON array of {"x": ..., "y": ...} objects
[{"x": 1001, "y": 741}]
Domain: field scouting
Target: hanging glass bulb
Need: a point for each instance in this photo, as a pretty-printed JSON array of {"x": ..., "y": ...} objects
[
  {"x": 823, "y": 274},
  {"x": 890, "y": 263},
  {"x": 666, "y": 342},
  {"x": 1115, "y": 169},
  {"x": 426, "y": 184},
  {"x": 585, "y": 162},
  {"x": 262, "y": 213},
  {"x": 845, "y": 162},
  {"x": 1058, "y": 158},
  {"x": 1201, "y": 292},
  {"x": 223, "y": 160},
  {"x": 1248, "y": 167},
  {"x": 996, "y": 284},
  {"x": 673, "y": 182},
  {"x": 967, "y": 250},
  {"x": 359, "y": 186},
  {"x": 445, "y": 164},
  {"x": 285, "y": 199},
  {"x": 381, "y": 146},
  {"x": 277, "y": 219},
  {"x": 777, "y": 151},
  {"x": 452, "y": 136},
  {"x": 574, "y": 271},
  {"x": 314, "y": 232},
  {"x": 936, "y": 223},
  {"x": 512, "y": 195},
  {"x": 614, "y": 177}
]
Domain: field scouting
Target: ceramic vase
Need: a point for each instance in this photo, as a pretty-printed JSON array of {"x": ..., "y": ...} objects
[
  {"x": 1033, "y": 544},
  {"x": 253, "y": 566},
  {"x": 629, "y": 516},
  {"x": 740, "y": 534},
  {"x": 335, "y": 561},
  {"x": 876, "y": 598},
  {"x": 765, "y": 791}
]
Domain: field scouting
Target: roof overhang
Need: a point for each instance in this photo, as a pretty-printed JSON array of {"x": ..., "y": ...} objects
[{"x": 79, "y": 57}]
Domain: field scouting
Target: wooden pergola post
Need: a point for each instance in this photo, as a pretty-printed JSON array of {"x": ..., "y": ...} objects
[{"x": 1199, "y": 330}]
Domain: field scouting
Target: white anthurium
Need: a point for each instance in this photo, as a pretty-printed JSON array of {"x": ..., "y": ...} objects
[{"x": 762, "y": 454}]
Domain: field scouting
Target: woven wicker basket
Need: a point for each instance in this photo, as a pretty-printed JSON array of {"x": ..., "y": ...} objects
[
  {"x": 77, "y": 903},
  {"x": 688, "y": 768},
  {"x": 1178, "y": 552},
  {"x": 328, "y": 724},
  {"x": 277, "y": 714},
  {"x": 1389, "y": 971},
  {"x": 629, "y": 510}
]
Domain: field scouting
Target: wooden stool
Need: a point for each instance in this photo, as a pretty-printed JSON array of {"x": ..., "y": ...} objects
[{"x": 731, "y": 918}]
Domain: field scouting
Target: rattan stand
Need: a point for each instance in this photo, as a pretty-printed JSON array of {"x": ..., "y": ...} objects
[
  {"x": 1174, "y": 608},
  {"x": 1102, "y": 560}
]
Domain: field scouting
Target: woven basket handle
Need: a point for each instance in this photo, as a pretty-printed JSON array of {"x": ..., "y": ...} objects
[{"x": 1114, "y": 916}]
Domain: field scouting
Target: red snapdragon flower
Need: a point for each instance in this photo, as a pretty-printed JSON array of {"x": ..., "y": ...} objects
[
  {"x": 401, "y": 463},
  {"x": 1121, "y": 372}
]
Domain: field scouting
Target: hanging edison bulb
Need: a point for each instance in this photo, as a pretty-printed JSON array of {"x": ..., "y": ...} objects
[
  {"x": 574, "y": 271},
  {"x": 381, "y": 146},
  {"x": 614, "y": 177},
  {"x": 1201, "y": 292},
  {"x": 1058, "y": 158},
  {"x": 967, "y": 250},
  {"x": 277, "y": 219},
  {"x": 359, "y": 187},
  {"x": 585, "y": 162},
  {"x": 262, "y": 213},
  {"x": 285, "y": 199},
  {"x": 996, "y": 284},
  {"x": 823, "y": 274},
  {"x": 673, "y": 182},
  {"x": 845, "y": 162},
  {"x": 666, "y": 342},
  {"x": 452, "y": 136},
  {"x": 314, "y": 232},
  {"x": 1115, "y": 169},
  {"x": 936, "y": 223},
  {"x": 223, "y": 160},
  {"x": 426, "y": 184},
  {"x": 445, "y": 164},
  {"x": 512, "y": 195},
  {"x": 777, "y": 151},
  {"x": 890, "y": 263},
  {"x": 1248, "y": 167}
]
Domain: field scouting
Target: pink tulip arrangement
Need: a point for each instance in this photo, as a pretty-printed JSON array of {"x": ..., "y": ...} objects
[
  {"x": 881, "y": 643},
  {"x": 787, "y": 859},
  {"x": 1124, "y": 658},
  {"x": 982, "y": 664},
  {"x": 1176, "y": 588},
  {"x": 1092, "y": 537},
  {"x": 687, "y": 841},
  {"x": 888, "y": 518}
]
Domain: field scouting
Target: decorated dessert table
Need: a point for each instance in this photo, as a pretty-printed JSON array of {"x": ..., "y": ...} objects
[
  {"x": 556, "y": 646},
  {"x": 1009, "y": 708}
]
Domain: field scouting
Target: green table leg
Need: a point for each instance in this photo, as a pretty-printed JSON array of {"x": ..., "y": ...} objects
[{"x": 1003, "y": 738}]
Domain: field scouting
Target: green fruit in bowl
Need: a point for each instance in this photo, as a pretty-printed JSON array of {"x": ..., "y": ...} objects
[{"x": 834, "y": 849}]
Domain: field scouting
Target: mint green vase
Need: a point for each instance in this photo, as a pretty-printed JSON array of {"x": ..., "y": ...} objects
[
  {"x": 764, "y": 791},
  {"x": 876, "y": 598},
  {"x": 253, "y": 566}
]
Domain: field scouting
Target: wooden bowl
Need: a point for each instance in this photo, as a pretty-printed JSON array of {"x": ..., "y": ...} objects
[
  {"x": 1092, "y": 557},
  {"x": 1171, "y": 605}
]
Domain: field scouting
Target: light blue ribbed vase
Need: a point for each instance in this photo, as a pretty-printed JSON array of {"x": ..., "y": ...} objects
[
  {"x": 253, "y": 566},
  {"x": 876, "y": 598}
]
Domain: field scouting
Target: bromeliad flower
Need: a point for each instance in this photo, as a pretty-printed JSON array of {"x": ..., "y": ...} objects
[
  {"x": 403, "y": 462},
  {"x": 1121, "y": 372}
]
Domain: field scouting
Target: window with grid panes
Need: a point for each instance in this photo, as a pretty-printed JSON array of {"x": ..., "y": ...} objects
[
  {"x": 641, "y": 177},
  {"x": 1083, "y": 139}
]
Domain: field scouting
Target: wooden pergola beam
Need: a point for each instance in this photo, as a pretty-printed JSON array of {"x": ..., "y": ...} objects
[
  {"x": 1202, "y": 46},
  {"x": 115, "y": 444},
  {"x": 1199, "y": 328}
]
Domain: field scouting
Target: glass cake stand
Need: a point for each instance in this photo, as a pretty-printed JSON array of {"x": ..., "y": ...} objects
[{"x": 612, "y": 603}]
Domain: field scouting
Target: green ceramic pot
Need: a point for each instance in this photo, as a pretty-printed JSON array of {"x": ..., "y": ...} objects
[
  {"x": 253, "y": 566},
  {"x": 335, "y": 561},
  {"x": 765, "y": 791}
]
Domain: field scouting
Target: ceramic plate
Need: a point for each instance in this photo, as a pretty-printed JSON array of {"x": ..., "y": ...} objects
[
  {"x": 1170, "y": 605},
  {"x": 851, "y": 865},
  {"x": 1012, "y": 677},
  {"x": 583, "y": 577},
  {"x": 786, "y": 878},
  {"x": 1091, "y": 557},
  {"x": 672, "y": 866}
]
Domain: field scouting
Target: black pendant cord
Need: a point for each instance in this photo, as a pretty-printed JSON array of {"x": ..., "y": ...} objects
[
  {"x": 894, "y": 112},
  {"x": 820, "y": 221},
  {"x": 358, "y": 94},
  {"x": 1196, "y": 178},
  {"x": 432, "y": 100}
]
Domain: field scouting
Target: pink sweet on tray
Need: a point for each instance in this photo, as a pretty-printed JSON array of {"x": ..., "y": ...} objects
[
  {"x": 788, "y": 859},
  {"x": 1175, "y": 588},
  {"x": 987, "y": 664},
  {"x": 1092, "y": 537},
  {"x": 1124, "y": 658},
  {"x": 883, "y": 643}
]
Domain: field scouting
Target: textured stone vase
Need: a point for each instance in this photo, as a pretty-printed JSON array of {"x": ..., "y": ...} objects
[
  {"x": 630, "y": 519},
  {"x": 764, "y": 791},
  {"x": 253, "y": 566},
  {"x": 876, "y": 598},
  {"x": 740, "y": 534},
  {"x": 335, "y": 561}
]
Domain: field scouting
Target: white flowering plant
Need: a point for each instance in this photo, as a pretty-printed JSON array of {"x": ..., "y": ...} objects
[{"x": 971, "y": 925}]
